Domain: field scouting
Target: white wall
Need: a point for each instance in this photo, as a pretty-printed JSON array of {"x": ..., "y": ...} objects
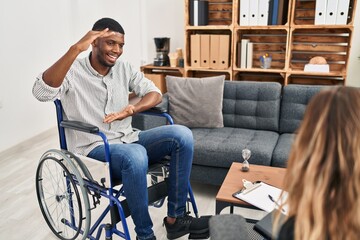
[
  {"x": 34, "y": 34},
  {"x": 353, "y": 74}
]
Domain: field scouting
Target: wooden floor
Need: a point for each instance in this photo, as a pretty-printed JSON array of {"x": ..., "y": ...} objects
[{"x": 20, "y": 216}]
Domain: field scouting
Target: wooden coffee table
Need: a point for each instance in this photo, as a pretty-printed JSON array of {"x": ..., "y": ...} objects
[{"x": 233, "y": 182}]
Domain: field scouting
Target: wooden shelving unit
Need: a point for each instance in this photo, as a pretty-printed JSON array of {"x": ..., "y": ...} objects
[{"x": 291, "y": 45}]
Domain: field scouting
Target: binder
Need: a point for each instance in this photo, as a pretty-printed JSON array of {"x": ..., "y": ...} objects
[
  {"x": 214, "y": 51},
  {"x": 205, "y": 50},
  {"x": 342, "y": 12},
  {"x": 263, "y": 12},
  {"x": 244, "y": 12},
  {"x": 244, "y": 43},
  {"x": 280, "y": 12},
  {"x": 320, "y": 12},
  {"x": 253, "y": 10},
  {"x": 199, "y": 13},
  {"x": 195, "y": 50},
  {"x": 275, "y": 9},
  {"x": 224, "y": 49},
  {"x": 249, "y": 55},
  {"x": 271, "y": 6},
  {"x": 331, "y": 10}
]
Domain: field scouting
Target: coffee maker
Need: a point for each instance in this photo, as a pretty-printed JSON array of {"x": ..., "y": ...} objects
[{"x": 162, "y": 51}]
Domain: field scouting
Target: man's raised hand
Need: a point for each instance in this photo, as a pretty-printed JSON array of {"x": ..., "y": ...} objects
[{"x": 84, "y": 43}]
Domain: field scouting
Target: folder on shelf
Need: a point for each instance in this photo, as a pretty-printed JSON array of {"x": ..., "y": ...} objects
[
  {"x": 214, "y": 51},
  {"x": 253, "y": 12},
  {"x": 320, "y": 12},
  {"x": 199, "y": 12},
  {"x": 224, "y": 50},
  {"x": 342, "y": 12},
  {"x": 331, "y": 11},
  {"x": 244, "y": 43},
  {"x": 249, "y": 55},
  {"x": 263, "y": 12},
  {"x": 244, "y": 12},
  {"x": 204, "y": 50},
  {"x": 195, "y": 50}
]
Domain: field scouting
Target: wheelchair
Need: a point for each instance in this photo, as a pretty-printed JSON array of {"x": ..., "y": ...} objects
[{"x": 67, "y": 191}]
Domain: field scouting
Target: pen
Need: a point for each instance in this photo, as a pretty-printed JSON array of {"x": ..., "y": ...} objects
[{"x": 272, "y": 199}]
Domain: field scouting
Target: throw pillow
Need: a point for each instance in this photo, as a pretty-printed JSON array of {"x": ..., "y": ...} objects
[{"x": 196, "y": 102}]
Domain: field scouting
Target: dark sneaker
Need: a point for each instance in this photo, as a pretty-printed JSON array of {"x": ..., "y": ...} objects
[{"x": 185, "y": 225}]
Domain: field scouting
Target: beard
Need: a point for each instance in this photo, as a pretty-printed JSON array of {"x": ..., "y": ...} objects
[{"x": 104, "y": 63}]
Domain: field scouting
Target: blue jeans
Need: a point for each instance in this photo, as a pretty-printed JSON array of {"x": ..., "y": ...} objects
[{"x": 129, "y": 162}]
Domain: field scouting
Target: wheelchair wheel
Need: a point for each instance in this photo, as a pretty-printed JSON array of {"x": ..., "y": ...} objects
[{"x": 62, "y": 196}]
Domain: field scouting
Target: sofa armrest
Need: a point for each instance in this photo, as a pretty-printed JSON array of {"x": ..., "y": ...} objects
[{"x": 148, "y": 121}]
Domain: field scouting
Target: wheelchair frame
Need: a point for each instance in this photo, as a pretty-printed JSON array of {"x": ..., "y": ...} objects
[{"x": 74, "y": 183}]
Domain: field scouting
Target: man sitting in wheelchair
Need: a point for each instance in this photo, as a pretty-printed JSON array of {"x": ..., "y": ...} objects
[{"x": 95, "y": 90}]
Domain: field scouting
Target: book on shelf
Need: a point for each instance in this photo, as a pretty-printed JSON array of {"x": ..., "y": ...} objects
[
  {"x": 199, "y": 12},
  {"x": 278, "y": 10},
  {"x": 244, "y": 43},
  {"x": 249, "y": 55}
]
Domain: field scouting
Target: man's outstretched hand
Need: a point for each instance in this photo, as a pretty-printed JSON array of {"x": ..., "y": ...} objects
[{"x": 128, "y": 111}]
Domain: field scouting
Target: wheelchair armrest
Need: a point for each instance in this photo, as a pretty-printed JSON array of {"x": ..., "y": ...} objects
[
  {"x": 80, "y": 126},
  {"x": 156, "y": 109}
]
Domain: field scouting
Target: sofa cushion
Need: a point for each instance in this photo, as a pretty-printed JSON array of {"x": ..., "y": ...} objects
[
  {"x": 252, "y": 105},
  {"x": 294, "y": 101},
  {"x": 220, "y": 147},
  {"x": 196, "y": 102},
  {"x": 282, "y": 150}
]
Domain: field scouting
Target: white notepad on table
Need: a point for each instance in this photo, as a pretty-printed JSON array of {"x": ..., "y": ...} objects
[{"x": 260, "y": 196}]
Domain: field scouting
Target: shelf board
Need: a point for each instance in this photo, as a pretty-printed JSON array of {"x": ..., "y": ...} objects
[
  {"x": 228, "y": 70},
  {"x": 260, "y": 70},
  {"x": 209, "y": 27},
  {"x": 294, "y": 26},
  {"x": 269, "y": 27},
  {"x": 333, "y": 74}
]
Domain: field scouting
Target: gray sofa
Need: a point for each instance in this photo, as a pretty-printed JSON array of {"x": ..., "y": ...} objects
[{"x": 262, "y": 116}]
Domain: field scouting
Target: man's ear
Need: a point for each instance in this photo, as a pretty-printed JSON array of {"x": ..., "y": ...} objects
[{"x": 94, "y": 43}]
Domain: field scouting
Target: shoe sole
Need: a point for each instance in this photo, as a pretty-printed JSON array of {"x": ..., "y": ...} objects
[{"x": 180, "y": 234}]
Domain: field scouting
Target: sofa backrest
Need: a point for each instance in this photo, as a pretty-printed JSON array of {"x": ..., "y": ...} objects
[
  {"x": 293, "y": 104},
  {"x": 252, "y": 105}
]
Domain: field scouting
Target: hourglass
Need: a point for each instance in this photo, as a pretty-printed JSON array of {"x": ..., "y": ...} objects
[{"x": 246, "y": 154}]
